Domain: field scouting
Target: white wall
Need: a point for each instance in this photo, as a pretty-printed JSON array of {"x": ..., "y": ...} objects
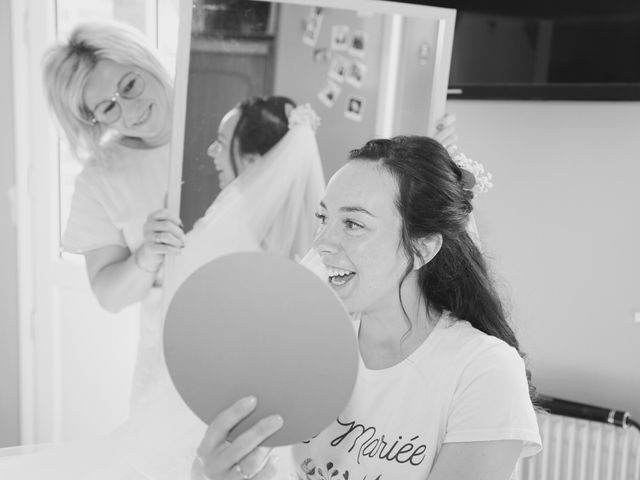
[
  {"x": 562, "y": 226},
  {"x": 9, "y": 421}
]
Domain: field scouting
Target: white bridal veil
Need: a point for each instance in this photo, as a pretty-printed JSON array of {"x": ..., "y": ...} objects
[{"x": 269, "y": 207}]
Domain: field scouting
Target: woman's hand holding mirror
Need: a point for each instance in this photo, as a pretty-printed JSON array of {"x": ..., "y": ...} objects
[
  {"x": 243, "y": 458},
  {"x": 163, "y": 235}
]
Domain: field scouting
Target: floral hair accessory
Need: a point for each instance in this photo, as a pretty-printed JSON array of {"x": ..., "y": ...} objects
[
  {"x": 474, "y": 177},
  {"x": 304, "y": 115}
]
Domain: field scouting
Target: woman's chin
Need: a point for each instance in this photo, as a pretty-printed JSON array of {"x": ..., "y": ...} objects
[
  {"x": 223, "y": 183},
  {"x": 150, "y": 136},
  {"x": 155, "y": 130}
]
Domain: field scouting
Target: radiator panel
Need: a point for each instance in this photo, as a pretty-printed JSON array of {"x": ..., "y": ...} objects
[{"x": 577, "y": 449}]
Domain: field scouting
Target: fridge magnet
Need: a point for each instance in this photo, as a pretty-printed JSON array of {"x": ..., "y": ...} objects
[
  {"x": 322, "y": 55},
  {"x": 340, "y": 37},
  {"x": 355, "y": 74},
  {"x": 338, "y": 68},
  {"x": 355, "y": 107},
  {"x": 312, "y": 26},
  {"x": 329, "y": 94},
  {"x": 358, "y": 44}
]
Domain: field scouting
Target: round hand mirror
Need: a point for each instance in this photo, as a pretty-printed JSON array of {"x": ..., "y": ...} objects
[{"x": 257, "y": 324}]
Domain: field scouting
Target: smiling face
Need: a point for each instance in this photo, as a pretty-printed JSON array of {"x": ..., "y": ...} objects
[
  {"x": 220, "y": 149},
  {"x": 359, "y": 238},
  {"x": 144, "y": 113}
]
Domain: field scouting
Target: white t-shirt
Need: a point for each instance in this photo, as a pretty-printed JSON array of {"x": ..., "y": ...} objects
[
  {"x": 110, "y": 205},
  {"x": 460, "y": 385},
  {"x": 112, "y": 198}
]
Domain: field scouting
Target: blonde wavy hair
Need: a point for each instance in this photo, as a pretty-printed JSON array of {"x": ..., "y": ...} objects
[{"x": 68, "y": 65}]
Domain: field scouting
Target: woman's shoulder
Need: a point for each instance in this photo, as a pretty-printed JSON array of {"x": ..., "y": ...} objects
[
  {"x": 91, "y": 173},
  {"x": 484, "y": 361},
  {"x": 123, "y": 164},
  {"x": 473, "y": 345},
  {"x": 94, "y": 175}
]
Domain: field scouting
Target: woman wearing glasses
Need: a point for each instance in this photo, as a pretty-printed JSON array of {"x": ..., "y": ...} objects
[{"x": 112, "y": 97}]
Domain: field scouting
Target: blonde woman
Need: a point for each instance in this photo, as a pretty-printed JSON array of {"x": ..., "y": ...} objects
[{"x": 112, "y": 97}]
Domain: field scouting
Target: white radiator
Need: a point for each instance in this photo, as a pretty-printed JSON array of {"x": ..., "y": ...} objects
[{"x": 576, "y": 449}]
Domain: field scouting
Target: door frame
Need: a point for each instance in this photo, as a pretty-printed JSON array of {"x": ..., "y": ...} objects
[{"x": 33, "y": 29}]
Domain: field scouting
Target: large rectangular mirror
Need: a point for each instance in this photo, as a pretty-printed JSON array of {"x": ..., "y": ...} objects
[{"x": 368, "y": 68}]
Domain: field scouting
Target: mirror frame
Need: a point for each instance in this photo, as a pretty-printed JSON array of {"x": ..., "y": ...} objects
[{"x": 437, "y": 96}]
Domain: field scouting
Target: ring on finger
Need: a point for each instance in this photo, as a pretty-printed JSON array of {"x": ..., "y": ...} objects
[{"x": 243, "y": 475}]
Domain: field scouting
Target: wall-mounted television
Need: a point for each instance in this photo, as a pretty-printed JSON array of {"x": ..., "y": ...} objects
[{"x": 577, "y": 55}]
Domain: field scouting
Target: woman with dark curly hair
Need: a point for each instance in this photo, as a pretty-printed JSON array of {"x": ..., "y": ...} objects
[{"x": 442, "y": 390}]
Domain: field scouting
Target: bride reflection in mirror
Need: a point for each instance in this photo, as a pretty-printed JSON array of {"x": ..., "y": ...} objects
[{"x": 271, "y": 178}]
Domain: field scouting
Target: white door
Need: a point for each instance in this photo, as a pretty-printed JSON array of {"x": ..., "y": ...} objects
[{"x": 76, "y": 359}]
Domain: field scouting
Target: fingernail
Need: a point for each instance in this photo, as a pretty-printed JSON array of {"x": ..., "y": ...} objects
[
  {"x": 249, "y": 401},
  {"x": 276, "y": 421}
]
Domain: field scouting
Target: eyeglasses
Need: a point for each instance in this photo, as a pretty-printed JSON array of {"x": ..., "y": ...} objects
[{"x": 130, "y": 86}]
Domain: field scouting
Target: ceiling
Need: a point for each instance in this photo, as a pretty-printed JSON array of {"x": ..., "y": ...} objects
[{"x": 541, "y": 8}]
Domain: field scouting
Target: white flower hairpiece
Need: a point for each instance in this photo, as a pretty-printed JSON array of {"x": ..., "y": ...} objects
[
  {"x": 304, "y": 115},
  {"x": 482, "y": 179}
]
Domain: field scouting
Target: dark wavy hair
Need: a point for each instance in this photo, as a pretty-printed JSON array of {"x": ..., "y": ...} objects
[
  {"x": 263, "y": 122},
  {"x": 431, "y": 199}
]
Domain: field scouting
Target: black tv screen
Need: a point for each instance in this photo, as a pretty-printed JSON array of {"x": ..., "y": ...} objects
[{"x": 573, "y": 57}]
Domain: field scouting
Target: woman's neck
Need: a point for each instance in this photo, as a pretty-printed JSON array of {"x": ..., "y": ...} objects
[
  {"x": 135, "y": 142},
  {"x": 388, "y": 336}
]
